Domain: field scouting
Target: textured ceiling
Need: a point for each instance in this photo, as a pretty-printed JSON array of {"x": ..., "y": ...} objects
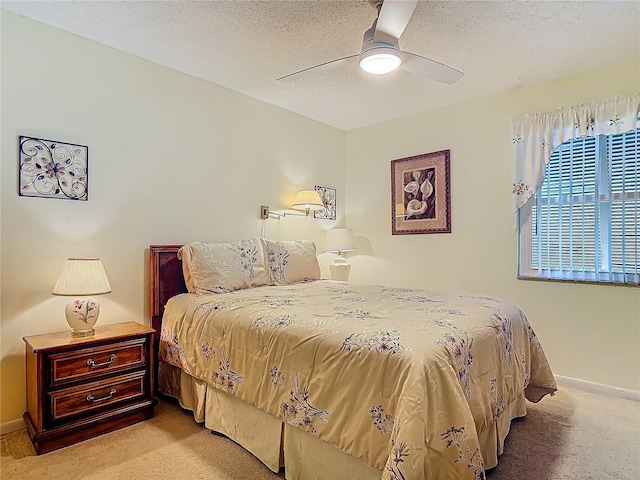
[{"x": 246, "y": 45}]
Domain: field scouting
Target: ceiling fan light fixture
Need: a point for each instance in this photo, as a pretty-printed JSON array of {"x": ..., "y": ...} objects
[{"x": 380, "y": 60}]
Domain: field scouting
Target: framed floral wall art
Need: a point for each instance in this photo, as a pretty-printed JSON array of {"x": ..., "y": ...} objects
[
  {"x": 421, "y": 194},
  {"x": 328, "y": 196},
  {"x": 52, "y": 169}
]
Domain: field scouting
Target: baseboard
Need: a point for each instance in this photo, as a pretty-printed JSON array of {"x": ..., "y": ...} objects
[
  {"x": 599, "y": 388},
  {"x": 12, "y": 426}
]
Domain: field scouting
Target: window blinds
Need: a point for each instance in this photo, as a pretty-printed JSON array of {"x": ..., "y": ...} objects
[{"x": 584, "y": 223}]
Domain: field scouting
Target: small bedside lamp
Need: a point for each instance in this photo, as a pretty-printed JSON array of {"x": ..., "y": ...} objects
[
  {"x": 80, "y": 278},
  {"x": 340, "y": 240}
]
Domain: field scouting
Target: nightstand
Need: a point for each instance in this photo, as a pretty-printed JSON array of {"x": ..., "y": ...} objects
[{"x": 79, "y": 388}]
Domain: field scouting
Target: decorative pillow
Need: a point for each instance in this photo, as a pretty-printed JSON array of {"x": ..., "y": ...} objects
[
  {"x": 184, "y": 254},
  {"x": 291, "y": 261},
  {"x": 224, "y": 267}
]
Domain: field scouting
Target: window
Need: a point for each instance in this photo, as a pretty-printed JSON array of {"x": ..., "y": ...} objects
[{"x": 583, "y": 223}]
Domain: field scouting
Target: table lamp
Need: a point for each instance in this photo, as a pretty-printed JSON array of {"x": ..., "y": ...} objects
[
  {"x": 340, "y": 240},
  {"x": 81, "y": 278}
]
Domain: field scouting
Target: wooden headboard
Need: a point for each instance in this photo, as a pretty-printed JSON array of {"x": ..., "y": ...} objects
[{"x": 165, "y": 280}]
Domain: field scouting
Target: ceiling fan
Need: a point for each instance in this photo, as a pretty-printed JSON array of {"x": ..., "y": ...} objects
[{"x": 380, "y": 52}]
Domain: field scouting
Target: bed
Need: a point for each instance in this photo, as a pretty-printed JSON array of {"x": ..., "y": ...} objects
[{"x": 339, "y": 381}]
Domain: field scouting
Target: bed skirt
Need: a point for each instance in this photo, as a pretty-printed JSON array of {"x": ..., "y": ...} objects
[
  {"x": 273, "y": 442},
  {"x": 277, "y": 444}
]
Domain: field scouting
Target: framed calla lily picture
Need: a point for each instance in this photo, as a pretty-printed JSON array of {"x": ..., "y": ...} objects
[{"x": 421, "y": 194}]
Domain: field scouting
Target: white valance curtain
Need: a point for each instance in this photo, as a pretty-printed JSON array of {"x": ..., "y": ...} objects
[{"x": 536, "y": 136}]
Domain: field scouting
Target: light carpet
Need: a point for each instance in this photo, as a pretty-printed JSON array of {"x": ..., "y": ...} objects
[{"x": 575, "y": 435}]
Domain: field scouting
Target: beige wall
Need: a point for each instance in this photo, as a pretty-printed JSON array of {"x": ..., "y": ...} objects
[
  {"x": 591, "y": 332},
  {"x": 171, "y": 159}
]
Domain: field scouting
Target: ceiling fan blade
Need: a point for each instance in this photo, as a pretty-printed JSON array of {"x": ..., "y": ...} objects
[
  {"x": 393, "y": 18},
  {"x": 318, "y": 68},
  {"x": 430, "y": 68}
]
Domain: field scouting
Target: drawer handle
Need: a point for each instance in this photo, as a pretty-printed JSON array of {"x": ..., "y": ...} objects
[
  {"x": 91, "y": 363},
  {"x": 91, "y": 398}
]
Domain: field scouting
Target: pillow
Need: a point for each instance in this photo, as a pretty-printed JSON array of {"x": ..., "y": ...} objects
[
  {"x": 291, "y": 261},
  {"x": 184, "y": 254},
  {"x": 223, "y": 267}
]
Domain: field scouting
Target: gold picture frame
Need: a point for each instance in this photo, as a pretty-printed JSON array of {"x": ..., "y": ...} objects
[{"x": 421, "y": 194}]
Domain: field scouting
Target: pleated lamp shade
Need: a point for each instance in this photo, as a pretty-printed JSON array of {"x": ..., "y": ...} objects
[
  {"x": 307, "y": 200},
  {"x": 82, "y": 276}
]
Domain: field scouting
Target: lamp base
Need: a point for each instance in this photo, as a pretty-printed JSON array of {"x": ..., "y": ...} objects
[
  {"x": 82, "y": 315},
  {"x": 82, "y": 333},
  {"x": 340, "y": 269}
]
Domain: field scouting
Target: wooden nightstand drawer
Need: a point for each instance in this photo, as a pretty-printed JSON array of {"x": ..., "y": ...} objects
[
  {"x": 86, "y": 398},
  {"x": 81, "y": 387},
  {"x": 95, "y": 362}
]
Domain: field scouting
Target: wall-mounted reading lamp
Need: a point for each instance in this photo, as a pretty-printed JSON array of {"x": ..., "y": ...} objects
[{"x": 306, "y": 200}]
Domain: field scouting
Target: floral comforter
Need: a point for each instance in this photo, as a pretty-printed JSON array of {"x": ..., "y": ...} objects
[{"x": 402, "y": 379}]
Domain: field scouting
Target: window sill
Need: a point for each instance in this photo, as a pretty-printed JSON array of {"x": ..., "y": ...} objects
[{"x": 587, "y": 282}]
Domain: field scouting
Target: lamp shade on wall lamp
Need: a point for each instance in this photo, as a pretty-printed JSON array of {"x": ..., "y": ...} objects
[
  {"x": 81, "y": 278},
  {"x": 340, "y": 240},
  {"x": 307, "y": 200}
]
